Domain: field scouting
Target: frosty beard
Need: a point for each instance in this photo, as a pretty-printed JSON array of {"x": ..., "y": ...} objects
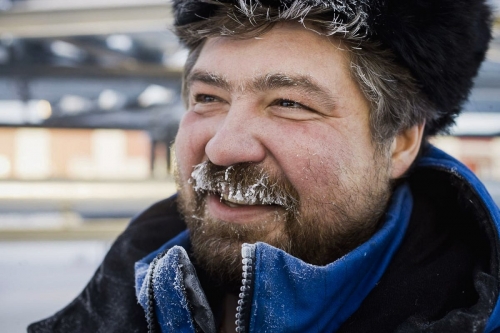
[{"x": 315, "y": 232}]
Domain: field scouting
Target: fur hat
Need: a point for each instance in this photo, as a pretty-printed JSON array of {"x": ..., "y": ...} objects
[{"x": 441, "y": 42}]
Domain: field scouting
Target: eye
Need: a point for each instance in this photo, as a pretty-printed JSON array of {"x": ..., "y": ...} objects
[
  {"x": 205, "y": 104},
  {"x": 290, "y": 104},
  {"x": 286, "y": 103},
  {"x": 202, "y": 98},
  {"x": 290, "y": 109}
]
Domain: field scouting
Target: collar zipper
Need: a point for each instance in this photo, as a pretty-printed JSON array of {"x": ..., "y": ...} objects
[
  {"x": 150, "y": 313},
  {"x": 245, "y": 296}
]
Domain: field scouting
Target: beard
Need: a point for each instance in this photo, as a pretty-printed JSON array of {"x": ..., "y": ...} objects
[{"x": 315, "y": 230}]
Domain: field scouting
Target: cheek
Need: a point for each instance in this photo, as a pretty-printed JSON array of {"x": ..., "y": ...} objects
[
  {"x": 307, "y": 154},
  {"x": 190, "y": 142},
  {"x": 319, "y": 168},
  {"x": 319, "y": 159}
]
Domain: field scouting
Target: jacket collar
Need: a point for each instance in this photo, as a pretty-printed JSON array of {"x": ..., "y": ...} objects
[{"x": 475, "y": 192}]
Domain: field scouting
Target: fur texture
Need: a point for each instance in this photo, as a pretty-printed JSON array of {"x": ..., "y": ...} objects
[{"x": 441, "y": 42}]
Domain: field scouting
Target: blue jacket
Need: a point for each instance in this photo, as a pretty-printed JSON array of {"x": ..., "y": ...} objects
[{"x": 433, "y": 266}]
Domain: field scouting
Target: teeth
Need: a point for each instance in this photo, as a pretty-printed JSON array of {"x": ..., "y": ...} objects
[
  {"x": 230, "y": 204},
  {"x": 233, "y": 202}
]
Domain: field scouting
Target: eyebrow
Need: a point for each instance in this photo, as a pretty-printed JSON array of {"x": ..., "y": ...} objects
[
  {"x": 208, "y": 78},
  {"x": 267, "y": 82}
]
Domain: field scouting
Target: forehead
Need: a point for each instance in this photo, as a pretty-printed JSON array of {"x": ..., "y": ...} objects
[{"x": 288, "y": 48}]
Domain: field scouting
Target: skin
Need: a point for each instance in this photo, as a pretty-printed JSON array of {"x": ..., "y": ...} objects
[{"x": 317, "y": 136}]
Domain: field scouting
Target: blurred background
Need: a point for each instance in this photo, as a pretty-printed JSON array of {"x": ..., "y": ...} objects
[{"x": 89, "y": 106}]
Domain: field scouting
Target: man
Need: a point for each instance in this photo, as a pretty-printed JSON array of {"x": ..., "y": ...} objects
[{"x": 312, "y": 201}]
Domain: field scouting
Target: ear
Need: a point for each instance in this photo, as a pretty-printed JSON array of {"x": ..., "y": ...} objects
[{"x": 404, "y": 149}]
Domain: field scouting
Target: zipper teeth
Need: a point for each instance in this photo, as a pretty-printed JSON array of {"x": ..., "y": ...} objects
[
  {"x": 244, "y": 301},
  {"x": 150, "y": 315}
]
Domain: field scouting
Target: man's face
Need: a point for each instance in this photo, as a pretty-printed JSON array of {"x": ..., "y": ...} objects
[{"x": 280, "y": 114}]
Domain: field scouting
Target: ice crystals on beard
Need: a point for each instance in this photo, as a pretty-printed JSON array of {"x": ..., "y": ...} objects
[
  {"x": 198, "y": 182},
  {"x": 258, "y": 193},
  {"x": 227, "y": 172}
]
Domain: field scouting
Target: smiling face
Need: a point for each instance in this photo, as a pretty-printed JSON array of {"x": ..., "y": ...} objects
[{"x": 277, "y": 112}]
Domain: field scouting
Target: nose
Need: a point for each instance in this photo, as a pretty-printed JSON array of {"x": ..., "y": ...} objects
[{"x": 236, "y": 140}]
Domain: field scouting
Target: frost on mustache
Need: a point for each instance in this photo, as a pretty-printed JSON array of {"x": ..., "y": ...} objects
[{"x": 260, "y": 191}]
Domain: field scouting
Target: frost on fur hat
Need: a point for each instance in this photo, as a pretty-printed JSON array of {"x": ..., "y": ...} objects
[{"x": 441, "y": 42}]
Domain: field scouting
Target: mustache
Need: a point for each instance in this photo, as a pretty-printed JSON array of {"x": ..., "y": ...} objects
[{"x": 245, "y": 183}]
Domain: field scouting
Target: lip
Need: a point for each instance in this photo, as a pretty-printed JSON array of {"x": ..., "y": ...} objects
[{"x": 242, "y": 214}]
